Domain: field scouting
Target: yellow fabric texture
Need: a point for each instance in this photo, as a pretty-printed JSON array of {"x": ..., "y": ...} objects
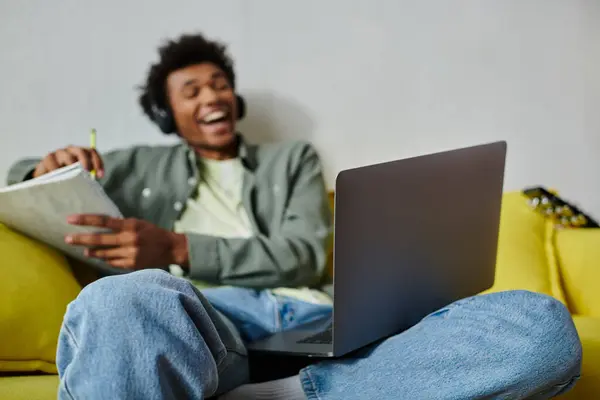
[
  {"x": 522, "y": 262},
  {"x": 38, "y": 387},
  {"x": 579, "y": 257},
  {"x": 556, "y": 287},
  {"x": 36, "y": 288}
]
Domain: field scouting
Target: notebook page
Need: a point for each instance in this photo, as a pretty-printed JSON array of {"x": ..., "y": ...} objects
[
  {"x": 41, "y": 211},
  {"x": 58, "y": 174}
]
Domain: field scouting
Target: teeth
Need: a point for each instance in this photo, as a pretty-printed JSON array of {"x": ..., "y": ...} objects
[{"x": 213, "y": 116}]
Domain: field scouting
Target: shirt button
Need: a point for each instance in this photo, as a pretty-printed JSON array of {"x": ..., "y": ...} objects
[
  {"x": 146, "y": 192},
  {"x": 276, "y": 189},
  {"x": 178, "y": 206},
  {"x": 192, "y": 181}
]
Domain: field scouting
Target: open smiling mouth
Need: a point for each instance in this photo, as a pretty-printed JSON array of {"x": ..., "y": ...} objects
[{"x": 215, "y": 117}]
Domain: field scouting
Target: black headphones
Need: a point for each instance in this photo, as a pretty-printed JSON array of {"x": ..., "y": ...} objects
[{"x": 164, "y": 119}]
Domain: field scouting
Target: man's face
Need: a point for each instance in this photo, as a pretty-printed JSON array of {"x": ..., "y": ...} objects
[{"x": 204, "y": 106}]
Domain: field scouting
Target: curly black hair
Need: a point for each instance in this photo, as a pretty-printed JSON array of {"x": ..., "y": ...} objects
[{"x": 188, "y": 49}]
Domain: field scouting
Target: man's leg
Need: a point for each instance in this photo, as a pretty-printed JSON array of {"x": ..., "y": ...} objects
[
  {"x": 510, "y": 345},
  {"x": 147, "y": 335}
]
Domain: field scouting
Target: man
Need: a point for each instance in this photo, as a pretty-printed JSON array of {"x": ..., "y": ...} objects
[{"x": 256, "y": 217}]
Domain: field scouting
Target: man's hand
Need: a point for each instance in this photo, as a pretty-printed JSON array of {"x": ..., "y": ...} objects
[
  {"x": 89, "y": 159},
  {"x": 132, "y": 244}
]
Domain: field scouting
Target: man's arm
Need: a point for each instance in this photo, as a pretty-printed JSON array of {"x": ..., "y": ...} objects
[
  {"x": 22, "y": 170},
  {"x": 295, "y": 255}
]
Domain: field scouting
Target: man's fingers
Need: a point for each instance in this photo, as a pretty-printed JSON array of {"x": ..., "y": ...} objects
[
  {"x": 125, "y": 263},
  {"x": 108, "y": 254},
  {"x": 65, "y": 158},
  {"x": 94, "y": 239},
  {"x": 97, "y": 220},
  {"x": 89, "y": 159},
  {"x": 50, "y": 163},
  {"x": 82, "y": 156},
  {"x": 121, "y": 257},
  {"x": 97, "y": 162}
]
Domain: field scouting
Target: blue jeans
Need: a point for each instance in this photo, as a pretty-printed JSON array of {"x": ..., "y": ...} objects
[{"x": 149, "y": 335}]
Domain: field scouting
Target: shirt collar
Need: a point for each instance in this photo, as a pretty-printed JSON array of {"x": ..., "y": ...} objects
[{"x": 246, "y": 152}]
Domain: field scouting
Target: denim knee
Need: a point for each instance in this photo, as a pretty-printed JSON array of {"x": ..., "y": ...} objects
[
  {"x": 126, "y": 294},
  {"x": 150, "y": 327},
  {"x": 559, "y": 328},
  {"x": 546, "y": 327}
]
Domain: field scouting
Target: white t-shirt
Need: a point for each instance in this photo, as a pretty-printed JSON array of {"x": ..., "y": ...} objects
[{"x": 217, "y": 209}]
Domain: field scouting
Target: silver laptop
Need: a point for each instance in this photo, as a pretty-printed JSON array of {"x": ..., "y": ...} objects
[{"x": 411, "y": 236}]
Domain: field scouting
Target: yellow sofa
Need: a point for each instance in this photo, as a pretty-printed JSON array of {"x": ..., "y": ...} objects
[{"x": 37, "y": 284}]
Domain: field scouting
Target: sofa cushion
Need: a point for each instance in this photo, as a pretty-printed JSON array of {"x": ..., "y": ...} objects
[
  {"x": 36, "y": 286},
  {"x": 38, "y": 387},
  {"x": 578, "y": 252},
  {"x": 522, "y": 252}
]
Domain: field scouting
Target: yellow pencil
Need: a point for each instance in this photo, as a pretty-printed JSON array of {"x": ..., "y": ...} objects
[{"x": 93, "y": 146}]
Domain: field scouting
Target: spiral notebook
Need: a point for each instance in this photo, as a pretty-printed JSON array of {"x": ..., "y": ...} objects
[{"x": 39, "y": 207}]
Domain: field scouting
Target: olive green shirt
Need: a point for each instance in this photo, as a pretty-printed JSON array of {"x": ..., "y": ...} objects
[{"x": 283, "y": 192}]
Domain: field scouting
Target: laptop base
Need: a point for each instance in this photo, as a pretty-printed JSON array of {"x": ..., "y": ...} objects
[{"x": 290, "y": 342}]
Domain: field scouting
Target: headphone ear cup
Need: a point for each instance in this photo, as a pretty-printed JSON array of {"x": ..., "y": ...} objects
[
  {"x": 166, "y": 125},
  {"x": 163, "y": 119},
  {"x": 240, "y": 106}
]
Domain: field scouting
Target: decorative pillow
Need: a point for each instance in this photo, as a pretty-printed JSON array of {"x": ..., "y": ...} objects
[
  {"x": 35, "y": 288},
  {"x": 522, "y": 261},
  {"x": 578, "y": 253}
]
